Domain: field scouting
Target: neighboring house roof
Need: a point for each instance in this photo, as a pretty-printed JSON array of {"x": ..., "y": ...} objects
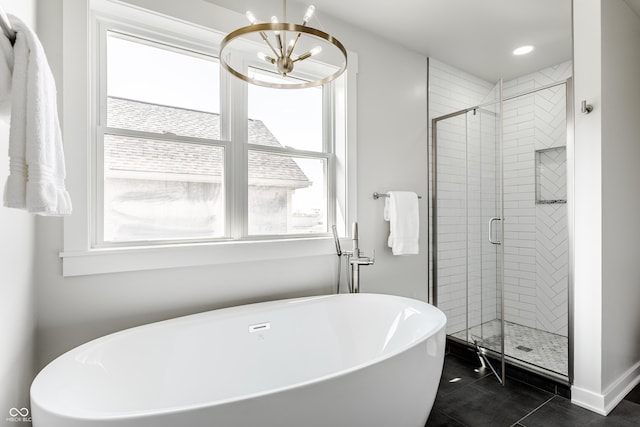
[{"x": 142, "y": 158}]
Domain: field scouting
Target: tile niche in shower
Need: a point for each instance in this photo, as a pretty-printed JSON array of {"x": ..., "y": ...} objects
[{"x": 551, "y": 175}]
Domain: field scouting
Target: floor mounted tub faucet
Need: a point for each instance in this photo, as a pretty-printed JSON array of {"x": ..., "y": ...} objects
[{"x": 356, "y": 259}]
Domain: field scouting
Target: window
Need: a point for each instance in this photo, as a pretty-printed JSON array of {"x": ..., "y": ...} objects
[
  {"x": 190, "y": 166},
  {"x": 162, "y": 164}
]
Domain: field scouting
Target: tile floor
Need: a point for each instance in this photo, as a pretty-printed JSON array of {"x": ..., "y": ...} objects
[
  {"x": 477, "y": 399},
  {"x": 540, "y": 348}
]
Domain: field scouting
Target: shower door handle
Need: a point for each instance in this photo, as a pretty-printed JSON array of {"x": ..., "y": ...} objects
[{"x": 491, "y": 221}]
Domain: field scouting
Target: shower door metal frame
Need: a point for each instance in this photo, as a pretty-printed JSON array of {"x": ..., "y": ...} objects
[{"x": 570, "y": 141}]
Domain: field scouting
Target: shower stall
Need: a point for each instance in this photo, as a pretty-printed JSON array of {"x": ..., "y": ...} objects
[{"x": 500, "y": 228}]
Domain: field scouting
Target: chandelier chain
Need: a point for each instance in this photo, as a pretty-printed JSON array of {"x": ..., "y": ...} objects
[{"x": 284, "y": 10}]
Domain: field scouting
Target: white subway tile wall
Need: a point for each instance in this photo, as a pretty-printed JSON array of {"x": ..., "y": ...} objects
[
  {"x": 535, "y": 235},
  {"x": 536, "y": 239},
  {"x": 459, "y": 241}
]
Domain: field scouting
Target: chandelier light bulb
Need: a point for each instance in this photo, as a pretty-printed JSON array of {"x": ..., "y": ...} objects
[
  {"x": 308, "y": 14},
  {"x": 251, "y": 17},
  {"x": 264, "y": 57},
  {"x": 316, "y": 50},
  {"x": 274, "y": 20},
  {"x": 523, "y": 50}
]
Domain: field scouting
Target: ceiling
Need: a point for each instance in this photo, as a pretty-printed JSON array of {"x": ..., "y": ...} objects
[{"x": 476, "y": 36}]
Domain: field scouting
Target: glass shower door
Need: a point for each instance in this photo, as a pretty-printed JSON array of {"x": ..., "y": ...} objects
[
  {"x": 467, "y": 208},
  {"x": 484, "y": 236}
]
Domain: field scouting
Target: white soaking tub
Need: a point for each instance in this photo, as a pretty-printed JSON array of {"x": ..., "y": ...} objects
[{"x": 360, "y": 360}]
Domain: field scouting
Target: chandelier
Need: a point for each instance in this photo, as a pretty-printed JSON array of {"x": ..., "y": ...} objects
[{"x": 282, "y": 49}]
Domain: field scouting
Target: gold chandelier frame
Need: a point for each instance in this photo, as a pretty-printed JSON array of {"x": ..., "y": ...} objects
[{"x": 276, "y": 27}]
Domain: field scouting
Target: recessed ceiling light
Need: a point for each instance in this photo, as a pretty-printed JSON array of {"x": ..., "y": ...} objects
[{"x": 523, "y": 50}]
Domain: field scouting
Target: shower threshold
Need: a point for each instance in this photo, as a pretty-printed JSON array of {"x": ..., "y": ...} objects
[{"x": 532, "y": 346}]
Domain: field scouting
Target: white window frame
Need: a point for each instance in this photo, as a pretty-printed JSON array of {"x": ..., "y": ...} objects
[{"x": 80, "y": 255}]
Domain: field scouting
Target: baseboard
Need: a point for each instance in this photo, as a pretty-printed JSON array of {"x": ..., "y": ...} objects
[
  {"x": 588, "y": 400},
  {"x": 604, "y": 403},
  {"x": 621, "y": 387}
]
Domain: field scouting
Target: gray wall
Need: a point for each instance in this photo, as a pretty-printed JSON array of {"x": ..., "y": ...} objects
[
  {"x": 18, "y": 313},
  {"x": 392, "y": 153}
]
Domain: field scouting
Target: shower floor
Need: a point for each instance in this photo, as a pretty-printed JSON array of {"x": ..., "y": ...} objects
[{"x": 540, "y": 348}]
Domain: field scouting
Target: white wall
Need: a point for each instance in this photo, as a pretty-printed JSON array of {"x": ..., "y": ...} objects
[
  {"x": 607, "y": 231},
  {"x": 17, "y": 315},
  {"x": 620, "y": 201},
  {"x": 392, "y": 155},
  {"x": 392, "y": 152}
]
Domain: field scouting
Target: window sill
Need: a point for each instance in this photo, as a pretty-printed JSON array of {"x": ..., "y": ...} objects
[{"x": 117, "y": 260}]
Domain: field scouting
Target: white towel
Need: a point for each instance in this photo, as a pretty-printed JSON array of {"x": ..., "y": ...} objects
[
  {"x": 36, "y": 160},
  {"x": 6, "y": 71},
  {"x": 401, "y": 210}
]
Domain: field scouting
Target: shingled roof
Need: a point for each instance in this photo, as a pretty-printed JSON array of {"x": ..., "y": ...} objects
[{"x": 128, "y": 156}]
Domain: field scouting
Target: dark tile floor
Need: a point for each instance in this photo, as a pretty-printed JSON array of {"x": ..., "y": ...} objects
[{"x": 476, "y": 399}]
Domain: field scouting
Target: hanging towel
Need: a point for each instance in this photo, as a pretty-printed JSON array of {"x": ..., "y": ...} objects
[
  {"x": 6, "y": 71},
  {"x": 401, "y": 210},
  {"x": 36, "y": 160}
]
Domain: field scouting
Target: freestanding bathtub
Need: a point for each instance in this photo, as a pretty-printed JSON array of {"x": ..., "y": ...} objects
[{"x": 359, "y": 360}]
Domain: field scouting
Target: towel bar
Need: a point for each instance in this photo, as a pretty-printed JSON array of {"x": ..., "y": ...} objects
[{"x": 377, "y": 195}]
